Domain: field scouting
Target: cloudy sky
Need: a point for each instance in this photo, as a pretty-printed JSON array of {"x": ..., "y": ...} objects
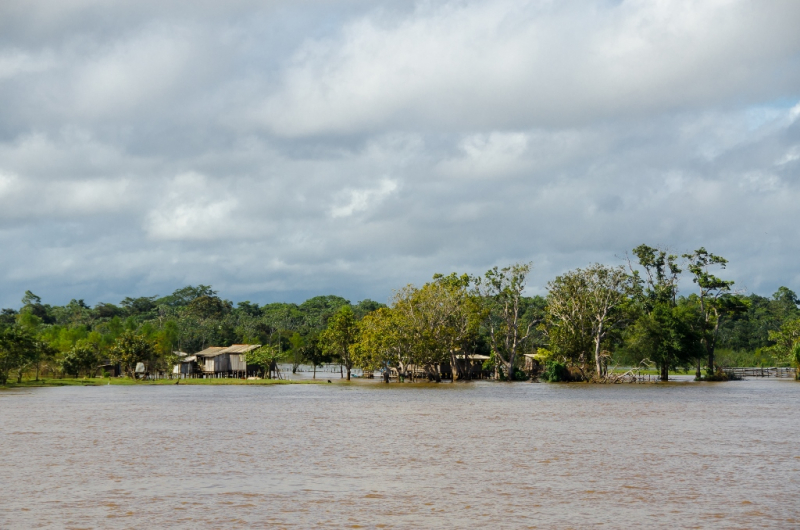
[{"x": 282, "y": 149}]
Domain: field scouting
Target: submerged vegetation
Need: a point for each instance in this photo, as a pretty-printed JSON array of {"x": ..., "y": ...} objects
[{"x": 592, "y": 321}]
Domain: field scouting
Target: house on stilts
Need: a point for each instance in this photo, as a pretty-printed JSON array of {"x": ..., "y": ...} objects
[{"x": 217, "y": 361}]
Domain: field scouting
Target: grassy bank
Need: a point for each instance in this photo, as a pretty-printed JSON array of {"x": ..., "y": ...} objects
[{"x": 124, "y": 381}]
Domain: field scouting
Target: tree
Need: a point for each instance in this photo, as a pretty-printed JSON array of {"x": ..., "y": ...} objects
[
  {"x": 340, "y": 336},
  {"x": 45, "y": 352},
  {"x": 665, "y": 336},
  {"x": 588, "y": 303},
  {"x": 17, "y": 352},
  {"x": 787, "y": 342},
  {"x": 659, "y": 334},
  {"x": 710, "y": 289},
  {"x": 81, "y": 358},
  {"x": 33, "y": 304},
  {"x": 297, "y": 343},
  {"x": 131, "y": 348},
  {"x": 508, "y": 332},
  {"x": 266, "y": 357},
  {"x": 312, "y": 352},
  {"x": 385, "y": 340}
]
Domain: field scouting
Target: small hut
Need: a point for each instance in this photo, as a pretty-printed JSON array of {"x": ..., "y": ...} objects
[
  {"x": 186, "y": 366},
  {"x": 532, "y": 365},
  {"x": 471, "y": 366},
  {"x": 107, "y": 367}
]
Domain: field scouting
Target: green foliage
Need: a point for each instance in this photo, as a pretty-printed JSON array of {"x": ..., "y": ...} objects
[
  {"x": 131, "y": 348},
  {"x": 265, "y": 357},
  {"x": 786, "y": 341},
  {"x": 340, "y": 337},
  {"x": 510, "y": 318},
  {"x": 18, "y": 351},
  {"x": 450, "y": 318},
  {"x": 80, "y": 359},
  {"x": 555, "y": 372}
]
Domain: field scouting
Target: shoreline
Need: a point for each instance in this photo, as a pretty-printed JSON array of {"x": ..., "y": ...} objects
[{"x": 98, "y": 381}]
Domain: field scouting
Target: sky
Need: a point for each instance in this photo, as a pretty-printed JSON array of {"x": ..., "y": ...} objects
[{"x": 279, "y": 150}]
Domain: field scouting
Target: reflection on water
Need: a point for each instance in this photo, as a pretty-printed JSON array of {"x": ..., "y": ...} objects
[{"x": 437, "y": 456}]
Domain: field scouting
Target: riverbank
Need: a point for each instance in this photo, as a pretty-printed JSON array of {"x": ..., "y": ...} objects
[{"x": 125, "y": 381}]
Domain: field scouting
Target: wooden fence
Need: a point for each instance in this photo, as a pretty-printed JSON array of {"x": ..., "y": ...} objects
[{"x": 762, "y": 372}]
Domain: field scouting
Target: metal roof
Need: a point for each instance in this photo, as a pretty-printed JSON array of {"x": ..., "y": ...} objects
[
  {"x": 210, "y": 351},
  {"x": 213, "y": 351},
  {"x": 241, "y": 348}
]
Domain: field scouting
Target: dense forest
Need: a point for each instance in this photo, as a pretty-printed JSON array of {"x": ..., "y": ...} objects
[{"x": 592, "y": 321}]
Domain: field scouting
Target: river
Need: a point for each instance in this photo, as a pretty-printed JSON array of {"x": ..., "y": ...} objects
[{"x": 482, "y": 454}]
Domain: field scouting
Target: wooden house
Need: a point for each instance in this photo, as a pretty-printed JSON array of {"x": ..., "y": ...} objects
[
  {"x": 532, "y": 365},
  {"x": 220, "y": 360},
  {"x": 471, "y": 366},
  {"x": 186, "y": 367}
]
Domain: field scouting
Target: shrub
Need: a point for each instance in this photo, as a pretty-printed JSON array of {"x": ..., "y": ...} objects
[{"x": 556, "y": 372}]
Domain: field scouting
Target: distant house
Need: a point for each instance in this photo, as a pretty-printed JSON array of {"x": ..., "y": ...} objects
[
  {"x": 107, "y": 367},
  {"x": 221, "y": 360},
  {"x": 472, "y": 366},
  {"x": 532, "y": 365},
  {"x": 186, "y": 366}
]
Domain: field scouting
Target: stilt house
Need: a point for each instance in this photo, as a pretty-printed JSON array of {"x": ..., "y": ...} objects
[{"x": 220, "y": 360}]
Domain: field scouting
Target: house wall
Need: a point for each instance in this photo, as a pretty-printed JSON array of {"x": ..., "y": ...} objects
[{"x": 237, "y": 362}]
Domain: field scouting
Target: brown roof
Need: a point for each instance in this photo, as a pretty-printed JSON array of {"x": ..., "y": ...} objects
[
  {"x": 213, "y": 351},
  {"x": 210, "y": 351},
  {"x": 241, "y": 348}
]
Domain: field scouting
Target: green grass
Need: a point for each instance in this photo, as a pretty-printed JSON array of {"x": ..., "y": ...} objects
[{"x": 124, "y": 381}]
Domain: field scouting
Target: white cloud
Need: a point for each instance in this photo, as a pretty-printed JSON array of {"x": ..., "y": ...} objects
[
  {"x": 17, "y": 62},
  {"x": 193, "y": 209},
  {"x": 505, "y": 63},
  {"x": 135, "y": 72},
  {"x": 364, "y": 199},
  {"x": 494, "y": 154}
]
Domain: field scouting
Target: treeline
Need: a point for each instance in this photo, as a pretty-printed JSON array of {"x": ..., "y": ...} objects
[
  {"x": 74, "y": 339},
  {"x": 592, "y": 320}
]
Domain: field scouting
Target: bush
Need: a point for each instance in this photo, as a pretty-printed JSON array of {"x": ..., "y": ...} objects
[{"x": 556, "y": 372}]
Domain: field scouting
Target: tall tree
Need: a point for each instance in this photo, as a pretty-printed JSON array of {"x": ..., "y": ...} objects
[
  {"x": 710, "y": 289},
  {"x": 130, "y": 349},
  {"x": 659, "y": 334},
  {"x": 508, "y": 331},
  {"x": 340, "y": 336},
  {"x": 17, "y": 352},
  {"x": 585, "y": 305}
]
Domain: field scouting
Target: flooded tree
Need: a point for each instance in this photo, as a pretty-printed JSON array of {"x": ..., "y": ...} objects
[
  {"x": 713, "y": 303},
  {"x": 509, "y": 331},
  {"x": 584, "y": 305},
  {"x": 340, "y": 336}
]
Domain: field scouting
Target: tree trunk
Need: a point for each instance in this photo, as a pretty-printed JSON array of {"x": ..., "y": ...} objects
[
  {"x": 597, "y": 339},
  {"x": 665, "y": 372},
  {"x": 710, "y": 350},
  {"x": 341, "y": 374},
  {"x": 348, "y": 373},
  {"x": 315, "y": 371},
  {"x": 510, "y": 369}
]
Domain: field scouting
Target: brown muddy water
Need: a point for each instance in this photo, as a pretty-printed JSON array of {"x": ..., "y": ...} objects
[{"x": 716, "y": 455}]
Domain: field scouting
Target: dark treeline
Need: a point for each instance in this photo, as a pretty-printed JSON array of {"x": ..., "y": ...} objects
[{"x": 592, "y": 319}]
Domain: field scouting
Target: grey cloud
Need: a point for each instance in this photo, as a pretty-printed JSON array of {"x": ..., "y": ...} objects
[{"x": 146, "y": 145}]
